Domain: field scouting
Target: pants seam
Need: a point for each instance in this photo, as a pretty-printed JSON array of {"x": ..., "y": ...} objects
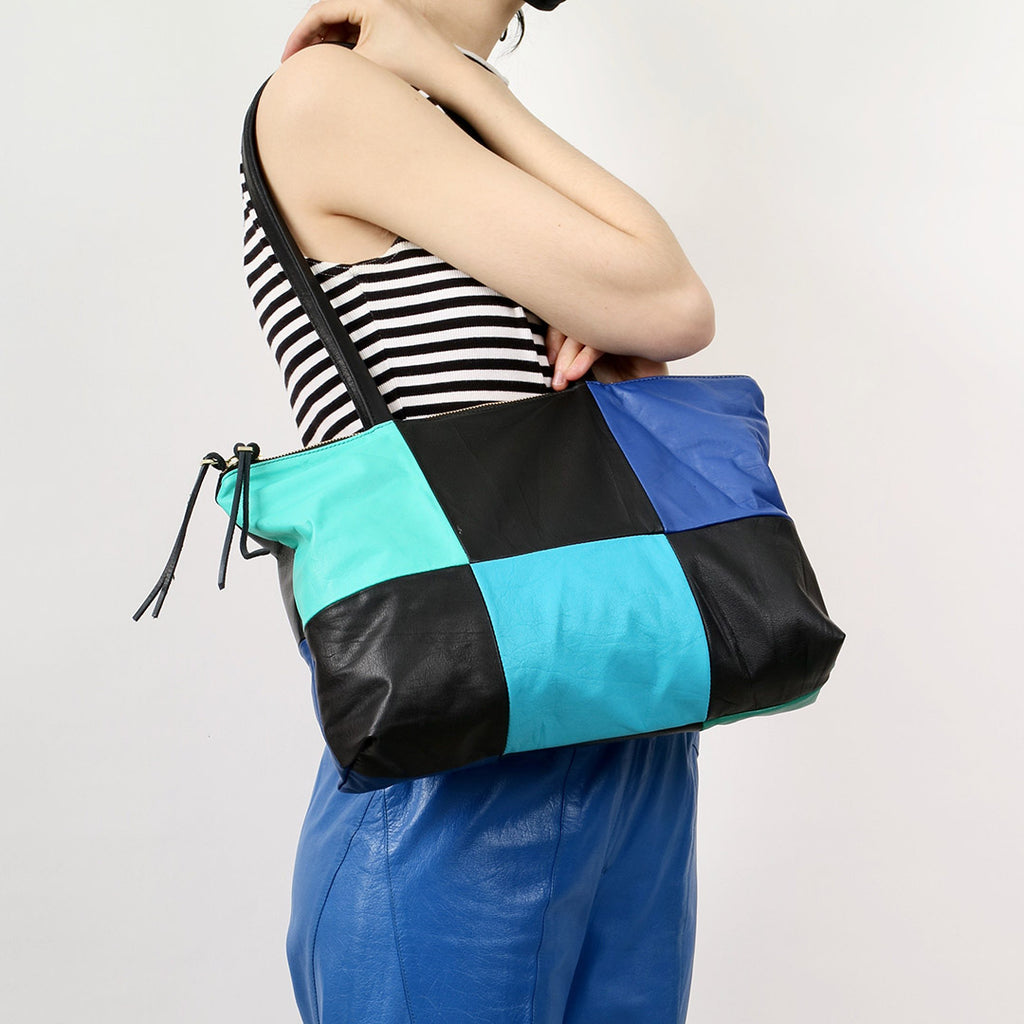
[
  {"x": 551, "y": 887},
  {"x": 323, "y": 906},
  {"x": 394, "y": 913}
]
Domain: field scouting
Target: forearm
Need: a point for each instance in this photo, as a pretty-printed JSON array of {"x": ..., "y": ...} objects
[{"x": 508, "y": 129}]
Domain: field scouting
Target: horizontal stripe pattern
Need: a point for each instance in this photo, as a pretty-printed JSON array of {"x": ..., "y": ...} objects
[{"x": 433, "y": 338}]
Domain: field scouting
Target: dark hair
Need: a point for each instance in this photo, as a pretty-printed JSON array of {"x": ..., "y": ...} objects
[{"x": 521, "y": 21}]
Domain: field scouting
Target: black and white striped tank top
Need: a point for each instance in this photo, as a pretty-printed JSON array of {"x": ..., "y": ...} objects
[{"x": 433, "y": 338}]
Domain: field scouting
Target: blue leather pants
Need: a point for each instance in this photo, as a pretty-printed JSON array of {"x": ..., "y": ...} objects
[{"x": 548, "y": 887}]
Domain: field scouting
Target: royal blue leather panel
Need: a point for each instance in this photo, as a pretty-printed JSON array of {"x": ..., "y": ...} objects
[{"x": 694, "y": 476}]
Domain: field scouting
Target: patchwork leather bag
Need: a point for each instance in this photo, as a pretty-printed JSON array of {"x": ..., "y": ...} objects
[{"x": 602, "y": 562}]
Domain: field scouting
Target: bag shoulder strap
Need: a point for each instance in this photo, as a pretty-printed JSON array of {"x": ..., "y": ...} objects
[{"x": 366, "y": 397}]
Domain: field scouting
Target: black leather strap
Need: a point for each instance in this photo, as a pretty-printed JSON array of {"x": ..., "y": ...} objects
[{"x": 366, "y": 397}]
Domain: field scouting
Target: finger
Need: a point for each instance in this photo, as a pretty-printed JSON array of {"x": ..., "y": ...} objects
[
  {"x": 566, "y": 354},
  {"x": 585, "y": 358},
  {"x": 328, "y": 19},
  {"x": 553, "y": 342}
]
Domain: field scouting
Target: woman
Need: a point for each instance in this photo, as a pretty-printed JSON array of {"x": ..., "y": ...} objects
[{"x": 474, "y": 256}]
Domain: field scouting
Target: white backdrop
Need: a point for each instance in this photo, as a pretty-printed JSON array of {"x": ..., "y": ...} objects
[{"x": 846, "y": 180}]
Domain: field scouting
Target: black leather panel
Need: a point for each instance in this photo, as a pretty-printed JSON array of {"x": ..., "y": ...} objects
[
  {"x": 531, "y": 474},
  {"x": 285, "y": 558},
  {"x": 376, "y": 655},
  {"x": 768, "y": 631}
]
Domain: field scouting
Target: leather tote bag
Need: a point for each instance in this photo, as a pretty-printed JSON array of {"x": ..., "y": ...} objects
[{"x": 602, "y": 562}]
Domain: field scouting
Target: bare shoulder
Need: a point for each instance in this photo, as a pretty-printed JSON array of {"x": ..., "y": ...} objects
[
  {"x": 311, "y": 76},
  {"x": 292, "y": 100}
]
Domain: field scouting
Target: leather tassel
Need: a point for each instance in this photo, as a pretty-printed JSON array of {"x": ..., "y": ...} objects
[
  {"x": 245, "y": 453},
  {"x": 164, "y": 582}
]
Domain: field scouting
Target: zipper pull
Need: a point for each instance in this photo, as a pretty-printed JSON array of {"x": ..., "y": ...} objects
[
  {"x": 164, "y": 582},
  {"x": 245, "y": 455}
]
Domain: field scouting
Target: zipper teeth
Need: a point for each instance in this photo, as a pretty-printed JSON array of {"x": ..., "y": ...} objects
[
  {"x": 233, "y": 461},
  {"x": 470, "y": 408}
]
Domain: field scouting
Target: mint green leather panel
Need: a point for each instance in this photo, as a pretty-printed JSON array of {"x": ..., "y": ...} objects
[
  {"x": 353, "y": 521},
  {"x": 790, "y": 705}
]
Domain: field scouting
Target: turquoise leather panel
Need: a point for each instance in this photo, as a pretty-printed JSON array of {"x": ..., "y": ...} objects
[
  {"x": 577, "y": 600},
  {"x": 790, "y": 705},
  {"x": 353, "y": 522}
]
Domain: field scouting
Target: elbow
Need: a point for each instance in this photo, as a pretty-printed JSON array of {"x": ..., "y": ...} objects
[
  {"x": 688, "y": 325},
  {"x": 700, "y": 321}
]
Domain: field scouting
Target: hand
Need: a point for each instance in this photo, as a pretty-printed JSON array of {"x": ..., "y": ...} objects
[
  {"x": 391, "y": 33},
  {"x": 571, "y": 360}
]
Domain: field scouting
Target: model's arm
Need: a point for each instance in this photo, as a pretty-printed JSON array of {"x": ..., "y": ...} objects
[
  {"x": 510, "y": 130},
  {"x": 341, "y": 135}
]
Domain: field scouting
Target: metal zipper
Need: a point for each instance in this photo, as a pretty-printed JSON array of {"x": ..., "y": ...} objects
[{"x": 232, "y": 462}]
